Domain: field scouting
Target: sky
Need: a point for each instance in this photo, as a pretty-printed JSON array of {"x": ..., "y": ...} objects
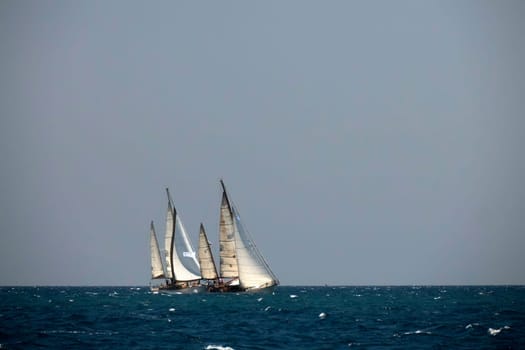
[{"x": 363, "y": 142}]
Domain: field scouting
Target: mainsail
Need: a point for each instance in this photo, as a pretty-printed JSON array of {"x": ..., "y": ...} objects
[
  {"x": 228, "y": 259},
  {"x": 208, "y": 268},
  {"x": 157, "y": 271},
  {"x": 168, "y": 239},
  {"x": 185, "y": 264},
  {"x": 181, "y": 260},
  {"x": 252, "y": 270}
]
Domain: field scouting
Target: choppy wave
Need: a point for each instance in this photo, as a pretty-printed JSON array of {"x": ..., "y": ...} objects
[{"x": 290, "y": 318}]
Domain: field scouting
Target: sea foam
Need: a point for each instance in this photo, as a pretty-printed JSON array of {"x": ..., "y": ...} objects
[
  {"x": 218, "y": 347},
  {"x": 495, "y": 331}
]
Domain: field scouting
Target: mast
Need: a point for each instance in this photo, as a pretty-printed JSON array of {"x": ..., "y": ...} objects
[
  {"x": 208, "y": 268},
  {"x": 157, "y": 270},
  {"x": 181, "y": 261},
  {"x": 225, "y": 194}
]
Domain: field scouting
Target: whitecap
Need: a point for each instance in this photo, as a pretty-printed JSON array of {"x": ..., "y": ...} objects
[
  {"x": 293, "y": 296},
  {"x": 418, "y": 332},
  {"x": 217, "y": 347},
  {"x": 495, "y": 331},
  {"x": 322, "y": 315},
  {"x": 267, "y": 308},
  {"x": 172, "y": 309},
  {"x": 259, "y": 299}
]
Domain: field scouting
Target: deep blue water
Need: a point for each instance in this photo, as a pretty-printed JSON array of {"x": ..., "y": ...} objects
[{"x": 486, "y": 317}]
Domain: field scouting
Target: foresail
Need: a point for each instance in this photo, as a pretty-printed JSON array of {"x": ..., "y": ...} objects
[
  {"x": 208, "y": 268},
  {"x": 254, "y": 272},
  {"x": 227, "y": 254},
  {"x": 157, "y": 271},
  {"x": 185, "y": 264}
]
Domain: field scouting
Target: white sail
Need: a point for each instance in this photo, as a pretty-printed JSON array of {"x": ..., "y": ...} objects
[
  {"x": 254, "y": 272},
  {"x": 251, "y": 268},
  {"x": 227, "y": 254},
  {"x": 181, "y": 260},
  {"x": 157, "y": 271},
  {"x": 208, "y": 268},
  {"x": 168, "y": 239},
  {"x": 184, "y": 259}
]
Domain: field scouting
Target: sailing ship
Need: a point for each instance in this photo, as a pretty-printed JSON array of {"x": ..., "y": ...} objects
[
  {"x": 181, "y": 269},
  {"x": 242, "y": 266}
]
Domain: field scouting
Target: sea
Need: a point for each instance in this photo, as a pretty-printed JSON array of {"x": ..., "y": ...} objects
[{"x": 317, "y": 317}]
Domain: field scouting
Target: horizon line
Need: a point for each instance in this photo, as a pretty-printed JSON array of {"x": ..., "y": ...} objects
[{"x": 281, "y": 285}]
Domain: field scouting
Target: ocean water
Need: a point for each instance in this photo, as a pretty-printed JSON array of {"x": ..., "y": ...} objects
[{"x": 488, "y": 317}]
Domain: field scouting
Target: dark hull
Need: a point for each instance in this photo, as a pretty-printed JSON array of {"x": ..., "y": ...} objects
[
  {"x": 225, "y": 289},
  {"x": 180, "y": 288}
]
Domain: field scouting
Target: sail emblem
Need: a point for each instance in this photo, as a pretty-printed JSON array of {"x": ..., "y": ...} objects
[{"x": 188, "y": 255}]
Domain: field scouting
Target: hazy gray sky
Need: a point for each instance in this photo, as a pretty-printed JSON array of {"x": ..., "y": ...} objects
[{"x": 371, "y": 142}]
